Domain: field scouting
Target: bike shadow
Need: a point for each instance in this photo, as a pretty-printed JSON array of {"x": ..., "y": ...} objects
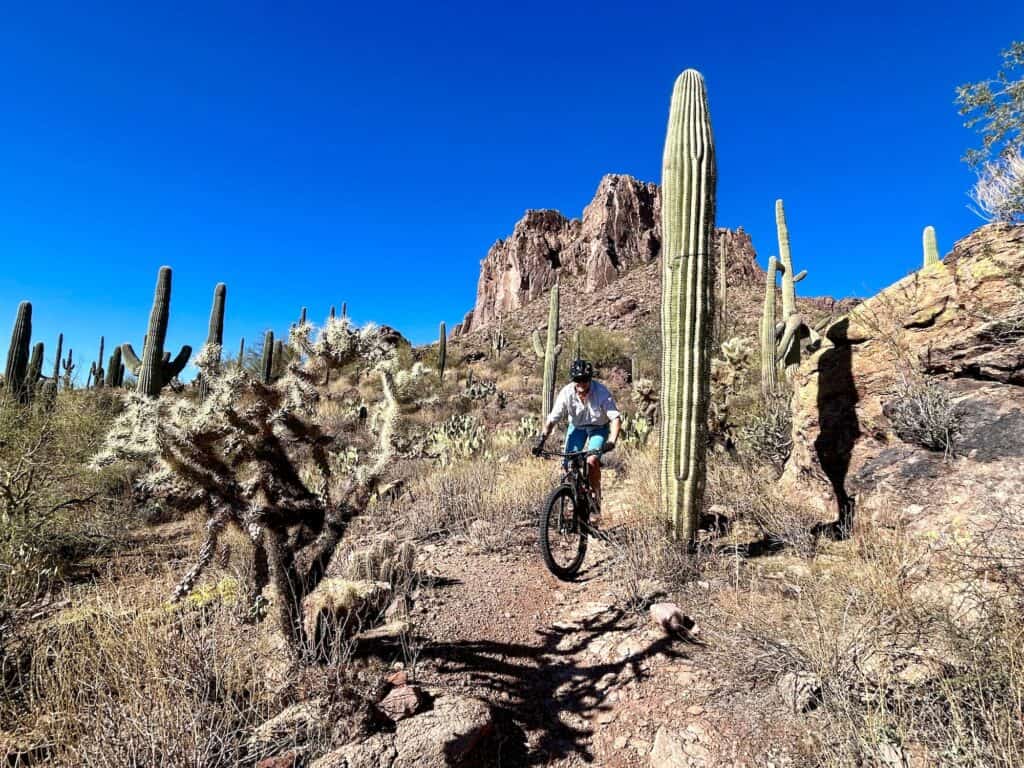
[{"x": 545, "y": 697}]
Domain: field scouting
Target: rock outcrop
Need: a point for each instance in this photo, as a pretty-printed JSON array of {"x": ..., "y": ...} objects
[
  {"x": 619, "y": 230},
  {"x": 958, "y": 324}
]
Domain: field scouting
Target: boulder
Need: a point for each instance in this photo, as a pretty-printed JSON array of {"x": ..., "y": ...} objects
[
  {"x": 958, "y": 324},
  {"x": 447, "y": 735}
]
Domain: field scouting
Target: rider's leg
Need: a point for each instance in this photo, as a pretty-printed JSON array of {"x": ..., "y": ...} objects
[{"x": 595, "y": 442}]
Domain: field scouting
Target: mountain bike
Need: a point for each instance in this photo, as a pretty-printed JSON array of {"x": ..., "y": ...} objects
[{"x": 565, "y": 518}]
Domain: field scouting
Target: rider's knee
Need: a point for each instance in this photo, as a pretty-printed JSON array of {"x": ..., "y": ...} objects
[{"x": 593, "y": 461}]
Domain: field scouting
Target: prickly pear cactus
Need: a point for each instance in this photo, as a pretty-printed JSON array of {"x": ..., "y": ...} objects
[{"x": 688, "y": 220}]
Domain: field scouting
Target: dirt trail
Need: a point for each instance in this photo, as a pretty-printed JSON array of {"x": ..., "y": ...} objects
[{"x": 572, "y": 676}]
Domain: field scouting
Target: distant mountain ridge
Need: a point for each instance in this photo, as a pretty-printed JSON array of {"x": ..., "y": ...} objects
[{"x": 608, "y": 259}]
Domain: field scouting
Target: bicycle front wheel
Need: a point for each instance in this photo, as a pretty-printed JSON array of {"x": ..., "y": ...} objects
[{"x": 563, "y": 537}]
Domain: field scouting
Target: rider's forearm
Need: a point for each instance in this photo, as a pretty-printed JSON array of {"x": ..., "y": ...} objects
[{"x": 613, "y": 435}]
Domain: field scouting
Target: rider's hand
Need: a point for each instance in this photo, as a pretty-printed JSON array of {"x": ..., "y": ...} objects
[
  {"x": 608, "y": 447},
  {"x": 539, "y": 447}
]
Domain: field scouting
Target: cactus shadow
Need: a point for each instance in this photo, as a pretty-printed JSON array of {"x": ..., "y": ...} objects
[{"x": 839, "y": 427}]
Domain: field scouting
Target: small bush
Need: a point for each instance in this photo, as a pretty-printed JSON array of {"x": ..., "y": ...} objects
[
  {"x": 767, "y": 433},
  {"x": 923, "y": 413}
]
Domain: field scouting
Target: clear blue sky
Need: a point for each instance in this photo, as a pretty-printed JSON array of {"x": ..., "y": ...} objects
[{"x": 314, "y": 153}]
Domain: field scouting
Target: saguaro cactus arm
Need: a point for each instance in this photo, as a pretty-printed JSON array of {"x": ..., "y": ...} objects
[{"x": 688, "y": 217}]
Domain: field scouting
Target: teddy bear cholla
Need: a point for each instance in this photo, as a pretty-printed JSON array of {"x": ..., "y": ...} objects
[{"x": 255, "y": 455}]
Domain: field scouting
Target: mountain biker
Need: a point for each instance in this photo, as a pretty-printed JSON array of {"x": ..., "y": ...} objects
[{"x": 594, "y": 420}]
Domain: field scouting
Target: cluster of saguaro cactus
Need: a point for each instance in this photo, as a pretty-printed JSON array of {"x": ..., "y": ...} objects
[
  {"x": 549, "y": 353},
  {"x": 155, "y": 369},
  {"x": 442, "y": 350},
  {"x": 931, "y": 246},
  {"x": 18, "y": 355},
  {"x": 688, "y": 219}
]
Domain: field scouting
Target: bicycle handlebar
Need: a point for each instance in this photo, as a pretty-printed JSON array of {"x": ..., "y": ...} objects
[{"x": 571, "y": 454}]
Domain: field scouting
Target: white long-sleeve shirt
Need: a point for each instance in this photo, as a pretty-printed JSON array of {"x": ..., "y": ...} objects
[{"x": 598, "y": 409}]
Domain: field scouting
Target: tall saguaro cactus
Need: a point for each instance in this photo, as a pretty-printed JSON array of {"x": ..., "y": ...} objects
[
  {"x": 687, "y": 307},
  {"x": 551, "y": 352},
  {"x": 442, "y": 350},
  {"x": 931, "y": 246},
  {"x": 97, "y": 368},
  {"x": 18, "y": 354},
  {"x": 154, "y": 371},
  {"x": 795, "y": 327},
  {"x": 215, "y": 332},
  {"x": 769, "y": 369},
  {"x": 267, "y": 366},
  {"x": 35, "y": 369},
  {"x": 114, "y": 369}
]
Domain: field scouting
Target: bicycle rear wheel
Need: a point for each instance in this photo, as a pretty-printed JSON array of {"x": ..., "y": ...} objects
[{"x": 563, "y": 537}]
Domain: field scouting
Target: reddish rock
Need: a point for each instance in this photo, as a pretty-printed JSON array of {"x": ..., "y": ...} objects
[
  {"x": 287, "y": 760},
  {"x": 402, "y": 702}
]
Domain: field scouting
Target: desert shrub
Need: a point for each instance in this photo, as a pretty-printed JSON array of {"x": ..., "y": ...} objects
[
  {"x": 923, "y": 412},
  {"x": 601, "y": 347},
  {"x": 766, "y": 435},
  {"x": 648, "y": 563},
  {"x": 451, "y": 501},
  {"x": 647, "y": 348},
  {"x": 53, "y": 510}
]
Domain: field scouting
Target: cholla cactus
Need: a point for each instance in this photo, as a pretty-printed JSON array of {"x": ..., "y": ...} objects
[
  {"x": 727, "y": 375},
  {"x": 256, "y": 456},
  {"x": 645, "y": 396},
  {"x": 410, "y": 385}
]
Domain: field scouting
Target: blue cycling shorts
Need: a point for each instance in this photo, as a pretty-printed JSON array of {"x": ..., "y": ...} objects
[{"x": 585, "y": 438}]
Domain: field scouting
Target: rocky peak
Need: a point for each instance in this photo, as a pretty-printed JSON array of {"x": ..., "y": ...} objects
[{"x": 620, "y": 230}]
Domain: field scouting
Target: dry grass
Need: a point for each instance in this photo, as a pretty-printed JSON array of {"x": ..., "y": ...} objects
[
  {"x": 482, "y": 499},
  {"x": 53, "y": 512}
]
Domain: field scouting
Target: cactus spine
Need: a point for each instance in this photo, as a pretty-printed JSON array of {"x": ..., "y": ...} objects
[
  {"x": 18, "y": 354},
  {"x": 267, "y": 364},
  {"x": 551, "y": 352},
  {"x": 931, "y": 246},
  {"x": 768, "y": 366},
  {"x": 155, "y": 370},
  {"x": 688, "y": 219},
  {"x": 442, "y": 351}
]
